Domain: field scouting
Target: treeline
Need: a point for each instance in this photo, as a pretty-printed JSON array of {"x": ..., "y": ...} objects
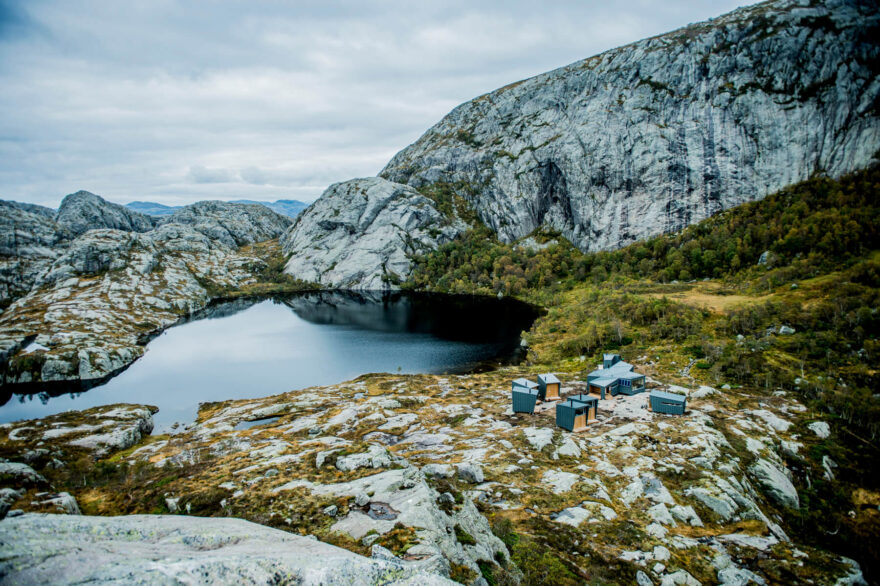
[{"x": 812, "y": 228}]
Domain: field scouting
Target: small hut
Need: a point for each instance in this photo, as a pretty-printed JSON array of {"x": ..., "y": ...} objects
[
  {"x": 599, "y": 387},
  {"x": 590, "y": 400},
  {"x": 575, "y": 415},
  {"x": 523, "y": 383},
  {"x": 670, "y": 403},
  {"x": 524, "y": 399},
  {"x": 548, "y": 385}
]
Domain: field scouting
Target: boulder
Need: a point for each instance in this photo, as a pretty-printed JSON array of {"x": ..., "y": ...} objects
[
  {"x": 150, "y": 549},
  {"x": 775, "y": 484}
]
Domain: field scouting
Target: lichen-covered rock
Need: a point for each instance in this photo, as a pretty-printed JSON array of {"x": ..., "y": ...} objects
[
  {"x": 96, "y": 431},
  {"x": 360, "y": 233},
  {"x": 656, "y": 135},
  {"x": 83, "y": 211},
  {"x": 29, "y": 242},
  {"x": 775, "y": 483},
  {"x": 233, "y": 224},
  {"x": 150, "y": 549}
]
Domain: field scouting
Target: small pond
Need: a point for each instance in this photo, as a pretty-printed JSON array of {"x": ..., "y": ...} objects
[{"x": 253, "y": 348}]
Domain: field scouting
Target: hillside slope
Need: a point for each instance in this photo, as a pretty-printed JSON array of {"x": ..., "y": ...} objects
[{"x": 654, "y": 136}]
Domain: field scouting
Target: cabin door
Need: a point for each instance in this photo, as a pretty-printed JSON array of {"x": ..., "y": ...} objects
[
  {"x": 591, "y": 414},
  {"x": 580, "y": 421}
]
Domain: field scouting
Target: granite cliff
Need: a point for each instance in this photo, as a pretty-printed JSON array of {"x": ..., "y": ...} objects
[{"x": 650, "y": 137}]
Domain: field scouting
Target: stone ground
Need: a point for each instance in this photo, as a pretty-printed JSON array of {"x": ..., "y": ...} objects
[{"x": 419, "y": 464}]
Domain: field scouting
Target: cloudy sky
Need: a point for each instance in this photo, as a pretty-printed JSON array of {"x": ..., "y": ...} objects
[{"x": 175, "y": 101}]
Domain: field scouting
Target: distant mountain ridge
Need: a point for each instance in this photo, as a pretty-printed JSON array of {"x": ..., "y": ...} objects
[{"x": 286, "y": 207}]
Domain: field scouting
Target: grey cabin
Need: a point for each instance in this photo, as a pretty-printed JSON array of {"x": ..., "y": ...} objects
[
  {"x": 670, "y": 403},
  {"x": 524, "y": 399},
  {"x": 615, "y": 377},
  {"x": 574, "y": 414},
  {"x": 548, "y": 387},
  {"x": 523, "y": 383}
]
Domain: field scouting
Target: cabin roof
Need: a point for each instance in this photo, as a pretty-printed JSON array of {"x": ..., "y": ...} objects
[
  {"x": 524, "y": 382},
  {"x": 548, "y": 378},
  {"x": 669, "y": 396},
  {"x": 588, "y": 399},
  {"x": 610, "y": 356},
  {"x": 526, "y": 391},
  {"x": 630, "y": 375},
  {"x": 572, "y": 404},
  {"x": 604, "y": 381}
]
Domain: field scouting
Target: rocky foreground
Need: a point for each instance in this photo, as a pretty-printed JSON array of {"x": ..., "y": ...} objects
[
  {"x": 429, "y": 474},
  {"x": 87, "y": 286}
]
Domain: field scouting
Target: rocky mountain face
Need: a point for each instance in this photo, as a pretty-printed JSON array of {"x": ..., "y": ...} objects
[
  {"x": 360, "y": 234},
  {"x": 90, "y": 294},
  {"x": 651, "y": 137},
  {"x": 230, "y": 223},
  {"x": 83, "y": 211}
]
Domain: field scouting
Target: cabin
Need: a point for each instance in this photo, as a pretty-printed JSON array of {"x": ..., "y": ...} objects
[
  {"x": 630, "y": 383},
  {"x": 575, "y": 415},
  {"x": 615, "y": 377},
  {"x": 599, "y": 387},
  {"x": 669, "y": 403},
  {"x": 524, "y": 399},
  {"x": 523, "y": 383},
  {"x": 548, "y": 387}
]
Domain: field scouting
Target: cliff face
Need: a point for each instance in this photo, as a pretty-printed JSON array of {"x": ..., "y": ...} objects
[
  {"x": 651, "y": 137},
  {"x": 359, "y": 234}
]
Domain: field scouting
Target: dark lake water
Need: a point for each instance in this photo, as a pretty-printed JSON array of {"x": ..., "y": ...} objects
[{"x": 254, "y": 348}]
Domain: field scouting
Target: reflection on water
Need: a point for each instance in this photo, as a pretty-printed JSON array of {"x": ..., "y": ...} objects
[{"x": 253, "y": 348}]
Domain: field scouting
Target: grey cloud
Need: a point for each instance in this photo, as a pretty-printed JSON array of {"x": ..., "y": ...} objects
[
  {"x": 180, "y": 100},
  {"x": 200, "y": 174}
]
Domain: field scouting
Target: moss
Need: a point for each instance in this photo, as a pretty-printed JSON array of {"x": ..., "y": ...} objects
[{"x": 463, "y": 536}]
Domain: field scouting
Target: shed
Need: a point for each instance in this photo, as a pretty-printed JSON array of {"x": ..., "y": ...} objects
[
  {"x": 524, "y": 383},
  {"x": 524, "y": 399},
  {"x": 600, "y": 386},
  {"x": 663, "y": 402},
  {"x": 590, "y": 400},
  {"x": 575, "y": 415},
  {"x": 548, "y": 385}
]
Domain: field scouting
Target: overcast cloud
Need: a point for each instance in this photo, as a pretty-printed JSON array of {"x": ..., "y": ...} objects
[{"x": 175, "y": 101}]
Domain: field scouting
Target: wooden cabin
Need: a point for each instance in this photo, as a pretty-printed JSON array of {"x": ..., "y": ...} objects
[
  {"x": 600, "y": 387},
  {"x": 523, "y": 383},
  {"x": 615, "y": 377},
  {"x": 549, "y": 387},
  {"x": 575, "y": 415},
  {"x": 630, "y": 383},
  {"x": 669, "y": 403},
  {"x": 593, "y": 403},
  {"x": 524, "y": 399}
]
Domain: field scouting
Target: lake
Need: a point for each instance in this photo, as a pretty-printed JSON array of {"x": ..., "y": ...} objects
[{"x": 254, "y": 348}]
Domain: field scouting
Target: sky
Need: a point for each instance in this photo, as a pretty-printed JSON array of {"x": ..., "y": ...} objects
[{"x": 176, "y": 101}]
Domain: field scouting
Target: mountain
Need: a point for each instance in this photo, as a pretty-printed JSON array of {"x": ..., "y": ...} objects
[
  {"x": 92, "y": 280},
  {"x": 286, "y": 207},
  {"x": 654, "y": 136},
  {"x": 83, "y": 211},
  {"x": 151, "y": 208}
]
